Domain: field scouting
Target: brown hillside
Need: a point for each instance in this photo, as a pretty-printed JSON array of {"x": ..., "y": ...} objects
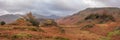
[
  {"x": 80, "y": 16},
  {"x": 101, "y": 21}
]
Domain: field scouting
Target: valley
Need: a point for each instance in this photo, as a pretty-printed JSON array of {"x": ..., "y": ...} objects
[{"x": 88, "y": 24}]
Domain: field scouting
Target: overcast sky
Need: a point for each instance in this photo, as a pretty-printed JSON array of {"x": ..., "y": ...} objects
[{"x": 49, "y": 7}]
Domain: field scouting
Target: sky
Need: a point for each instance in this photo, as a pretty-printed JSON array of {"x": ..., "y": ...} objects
[{"x": 52, "y": 7}]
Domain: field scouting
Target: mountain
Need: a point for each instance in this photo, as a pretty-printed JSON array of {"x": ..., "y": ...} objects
[
  {"x": 80, "y": 16},
  {"x": 39, "y": 16},
  {"x": 102, "y": 21},
  {"x": 53, "y": 17},
  {"x": 49, "y": 17},
  {"x": 9, "y": 18}
]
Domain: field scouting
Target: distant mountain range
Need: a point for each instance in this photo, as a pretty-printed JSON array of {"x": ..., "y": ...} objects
[
  {"x": 8, "y": 18},
  {"x": 49, "y": 17},
  {"x": 53, "y": 17}
]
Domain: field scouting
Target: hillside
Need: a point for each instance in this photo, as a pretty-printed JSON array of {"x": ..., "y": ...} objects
[
  {"x": 89, "y": 24},
  {"x": 101, "y": 21},
  {"x": 30, "y": 28},
  {"x": 80, "y": 16}
]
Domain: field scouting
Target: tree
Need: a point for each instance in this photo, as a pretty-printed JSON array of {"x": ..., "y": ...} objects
[
  {"x": 2, "y": 23},
  {"x": 30, "y": 18}
]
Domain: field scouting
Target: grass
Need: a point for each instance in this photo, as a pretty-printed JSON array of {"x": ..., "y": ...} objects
[
  {"x": 61, "y": 38},
  {"x": 4, "y": 35},
  {"x": 5, "y": 28},
  {"x": 104, "y": 38},
  {"x": 23, "y": 28},
  {"x": 110, "y": 34},
  {"x": 117, "y": 28},
  {"x": 80, "y": 22},
  {"x": 21, "y": 35},
  {"x": 31, "y": 28},
  {"x": 116, "y": 32}
]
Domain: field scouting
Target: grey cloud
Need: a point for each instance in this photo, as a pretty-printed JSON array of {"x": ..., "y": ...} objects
[
  {"x": 57, "y": 7},
  {"x": 14, "y": 5},
  {"x": 111, "y": 3}
]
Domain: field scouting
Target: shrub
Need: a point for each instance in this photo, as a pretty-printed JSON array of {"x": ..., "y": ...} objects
[
  {"x": 34, "y": 23},
  {"x": 61, "y": 38},
  {"x": 20, "y": 27},
  {"x": 48, "y": 22},
  {"x": 92, "y": 16},
  {"x": 32, "y": 20},
  {"x": 2, "y": 23},
  {"x": 117, "y": 28},
  {"x": 80, "y": 22},
  {"x": 33, "y": 29},
  {"x": 87, "y": 26},
  {"x": 61, "y": 29},
  {"x": 101, "y": 17}
]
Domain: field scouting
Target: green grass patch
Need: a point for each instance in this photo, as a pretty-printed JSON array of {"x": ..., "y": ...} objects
[
  {"x": 110, "y": 34},
  {"x": 116, "y": 32}
]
